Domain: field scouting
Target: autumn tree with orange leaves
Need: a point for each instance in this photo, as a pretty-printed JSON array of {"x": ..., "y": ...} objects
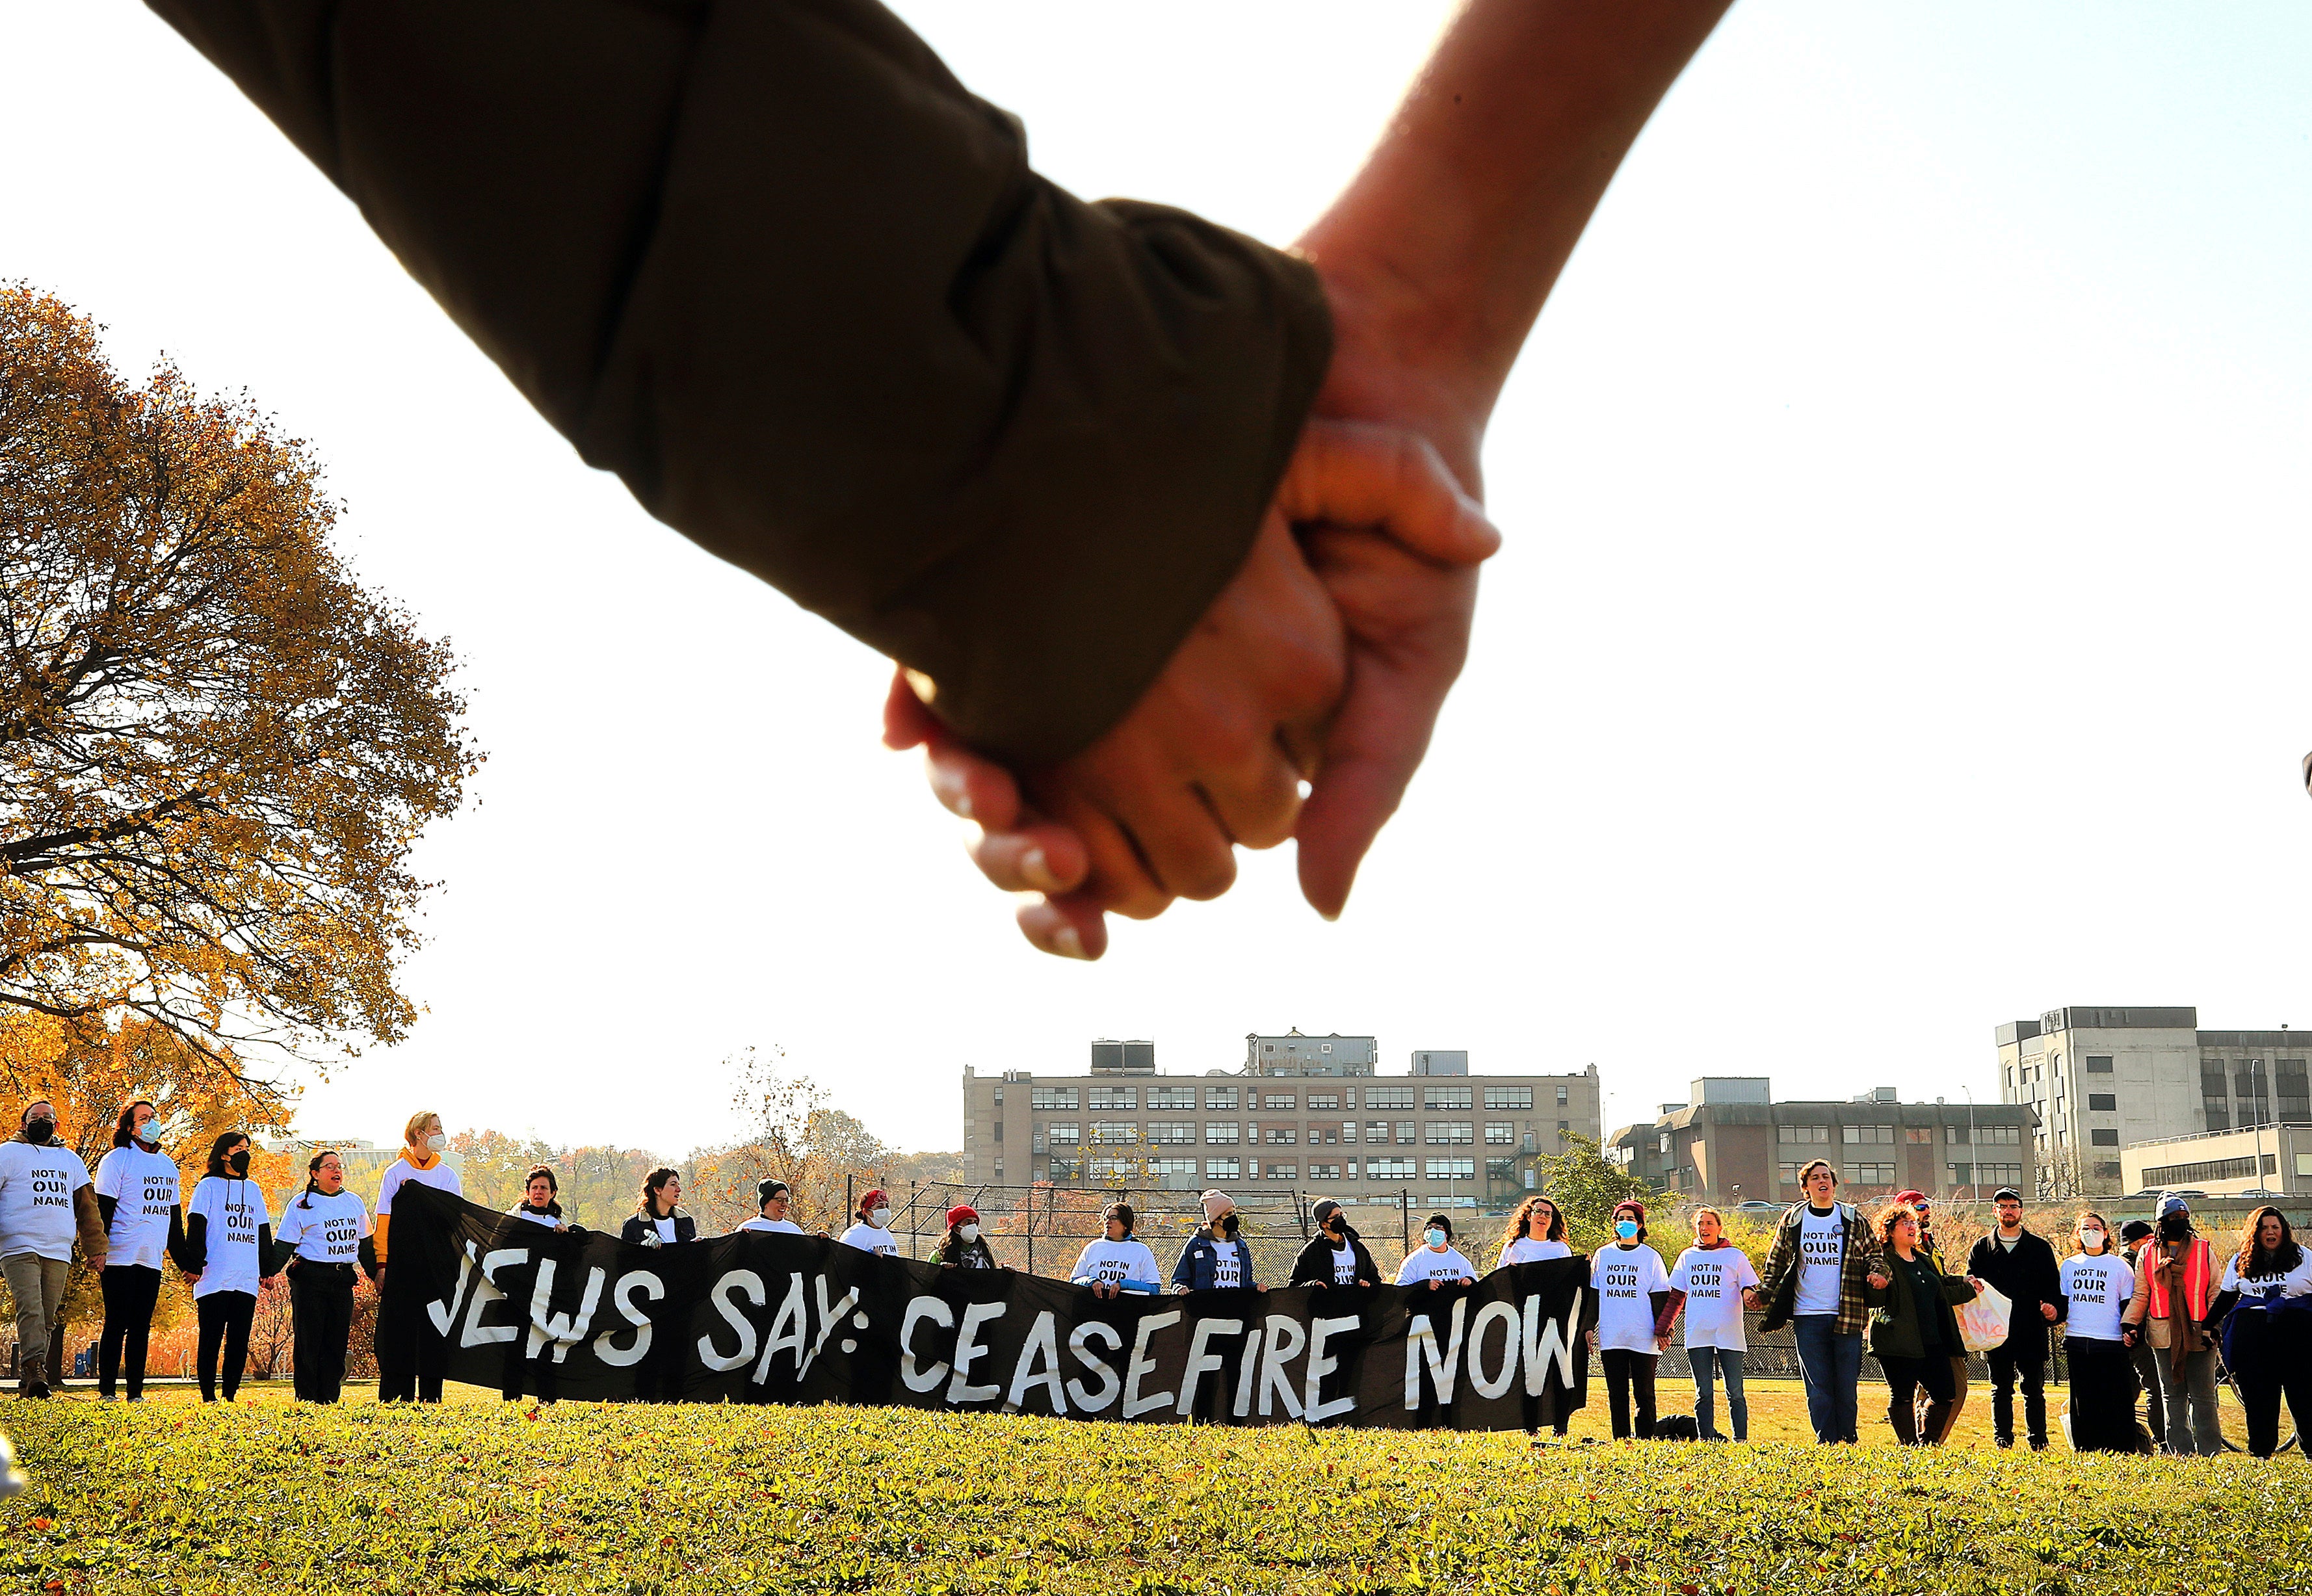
[{"x": 216, "y": 748}]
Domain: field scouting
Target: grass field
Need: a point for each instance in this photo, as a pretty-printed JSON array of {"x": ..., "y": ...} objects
[{"x": 477, "y": 1495}]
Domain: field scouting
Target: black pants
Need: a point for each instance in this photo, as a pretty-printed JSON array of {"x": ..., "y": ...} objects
[
  {"x": 2146, "y": 1376},
  {"x": 411, "y": 1356},
  {"x": 1627, "y": 1372},
  {"x": 130, "y": 1290},
  {"x": 225, "y": 1317},
  {"x": 321, "y": 1305},
  {"x": 1906, "y": 1378},
  {"x": 2007, "y": 1368},
  {"x": 2103, "y": 1395},
  {"x": 2271, "y": 1359}
]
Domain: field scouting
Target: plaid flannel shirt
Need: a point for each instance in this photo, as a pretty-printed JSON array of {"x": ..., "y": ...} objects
[{"x": 1858, "y": 1258}]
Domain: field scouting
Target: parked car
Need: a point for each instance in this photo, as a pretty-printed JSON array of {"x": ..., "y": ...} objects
[{"x": 1765, "y": 1210}]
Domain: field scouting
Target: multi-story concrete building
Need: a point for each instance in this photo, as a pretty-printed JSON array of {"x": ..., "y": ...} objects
[
  {"x": 2225, "y": 1162},
  {"x": 1310, "y": 1115},
  {"x": 1733, "y": 1144},
  {"x": 2106, "y": 1079}
]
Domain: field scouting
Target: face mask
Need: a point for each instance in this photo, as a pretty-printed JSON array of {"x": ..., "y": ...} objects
[
  {"x": 2093, "y": 1239},
  {"x": 1627, "y": 1229},
  {"x": 436, "y": 1142},
  {"x": 36, "y": 1131},
  {"x": 879, "y": 1218},
  {"x": 238, "y": 1162},
  {"x": 1435, "y": 1238},
  {"x": 970, "y": 1232},
  {"x": 149, "y": 1132}
]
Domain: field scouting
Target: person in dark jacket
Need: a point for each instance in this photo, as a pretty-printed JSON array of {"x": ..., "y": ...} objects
[
  {"x": 2012, "y": 1260},
  {"x": 1217, "y": 1257},
  {"x": 963, "y": 1246},
  {"x": 658, "y": 1219},
  {"x": 2132, "y": 1236},
  {"x": 1913, "y": 1329},
  {"x": 1334, "y": 1255}
]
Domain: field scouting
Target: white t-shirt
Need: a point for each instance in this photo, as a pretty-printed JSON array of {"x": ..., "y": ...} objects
[
  {"x": 2098, "y": 1288},
  {"x": 1228, "y": 1265},
  {"x": 234, "y": 1209},
  {"x": 778, "y": 1227},
  {"x": 1525, "y": 1249},
  {"x": 1713, "y": 1279},
  {"x": 144, "y": 1187},
  {"x": 1822, "y": 1249},
  {"x": 1344, "y": 1265},
  {"x": 36, "y": 1198},
  {"x": 1424, "y": 1264},
  {"x": 439, "y": 1176},
  {"x": 1625, "y": 1279},
  {"x": 1104, "y": 1262},
  {"x": 324, "y": 1230},
  {"x": 2253, "y": 1290},
  {"x": 869, "y": 1238}
]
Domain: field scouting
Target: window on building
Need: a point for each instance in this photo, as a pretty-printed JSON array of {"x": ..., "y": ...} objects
[
  {"x": 1448, "y": 1097},
  {"x": 1172, "y": 1133},
  {"x": 1787, "y": 1173},
  {"x": 1220, "y": 1097},
  {"x": 1283, "y": 1171},
  {"x": 1561, "y": 1096},
  {"x": 2209, "y": 1170},
  {"x": 1062, "y": 1135},
  {"x": 1282, "y": 1136},
  {"x": 2098, "y": 1064},
  {"x": 1116, "y": 1133},
  {"x": 1055, "y": 1097},
  {"x": 1508, "y": 1097},
  {"x": 1349, "y": 1132},
  {"x": 1220, "y": 1168},
  {"x": 2103, "y": 1103},
  {"x": 1868, "y": 1135},
  {"x": 1324, "y": 1099},
  {"x": 1389, "y": 1097},
  {"x": 2106, "y": 1170},
  {"x": 1501, "y": 1171},
  {"x": 1173, "y": 1098},
  {"x": 1664, "y": 1148},
  {"x": 1406, "y": 1129},
  {"x": 999, "y": 1130},
  {"x": 1501, "y": 1133},
  {"x": 1116, "y": 1097},
  {"x": 1067, "y": 1166},
  {"x": 1388, "y": 1169},
  {"x": 1449, "y": 1132},
  {"x": 1323, "y": 1171},
  {"x": 2219, "y": 1111},
  {"x": 1277, "y": 1101},
  {"x": 1377, "y": 1130},
  {"x": 1919, "y": 1136},
  {"x": 2292, "y": 1089},
  {"x": 1220, "y": 1131},
  {"x": 1449, "y": 1169},
  {"x": 2102, "y": 1138},
  {"x": 1999, "y": 1135},
  {"x": 1802, "y": 1133},
  {"x": 999, "y": 1096},
  {"x": 2304, "y": 1165},
  {"x": 1564, "y": 1129}
]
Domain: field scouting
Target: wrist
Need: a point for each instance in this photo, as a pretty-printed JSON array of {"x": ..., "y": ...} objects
[{"x": 1401, "y": 355}]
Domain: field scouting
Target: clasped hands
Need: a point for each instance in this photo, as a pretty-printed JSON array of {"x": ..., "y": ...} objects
[{"x": 1323, "y": 663}]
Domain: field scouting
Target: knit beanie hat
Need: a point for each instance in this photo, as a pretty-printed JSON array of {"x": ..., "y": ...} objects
[
  {"x": 962, "y": 1213},
  {"x": 1217, "y": 1203}
]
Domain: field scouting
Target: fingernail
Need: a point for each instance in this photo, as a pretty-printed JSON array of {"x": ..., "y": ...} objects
[
  {"x": 1067, "y": 942},
  {"x": 954, "y": 791},
  {"x": 1037, "y": 871}
]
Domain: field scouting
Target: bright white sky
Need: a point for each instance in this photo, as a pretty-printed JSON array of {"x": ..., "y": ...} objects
[{"x": 1902, "y": 627}]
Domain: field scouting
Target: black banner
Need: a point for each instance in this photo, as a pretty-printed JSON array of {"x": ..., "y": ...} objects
[{"x": 762, "y": 1318}]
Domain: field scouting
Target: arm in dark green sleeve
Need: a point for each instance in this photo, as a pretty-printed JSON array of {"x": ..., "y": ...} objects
[{"x": 775, "y": 267}]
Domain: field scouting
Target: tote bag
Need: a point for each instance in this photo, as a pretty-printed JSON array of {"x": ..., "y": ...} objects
[{"x": 1983, "y": 1323}]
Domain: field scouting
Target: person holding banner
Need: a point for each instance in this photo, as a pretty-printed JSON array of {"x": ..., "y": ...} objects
[
  {"x": 2175, "y": 1293},
  {"x": 1436, "y": 1261},
  {"x": 229, "y": 1243},
  {"x": 1822, "y": 1260},
  {"x": 772, "y": 1201},
  {"x": 411, "y": 1357},
  {"x": 1217, "y": 1257},
  {"x": 963, "y": 1246},
  {"x": 2097, "y": 1285},
  {"x": 141, "y": 1199},
  {"x": 1633, "y": 1294},
  {"x": 872, "y": 1231},
  {"x": 1712, "y": 1282},
  {"x": 1118, "y": 1261},
  {"x": 540, "y": 1194},
  {"x": 2265, "y": 1305},
  {"x": 1335, "y": 1255},
  {"x": 1913, "y": 1329},
  {"x": 659, "y": 1219},
  {"x": 321, "y": 1234},
  {"x": 1536, "y": 1234}
]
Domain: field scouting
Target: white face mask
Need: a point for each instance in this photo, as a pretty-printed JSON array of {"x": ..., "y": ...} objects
[
  {"x": 436, "y": 1142},
  {"x": 880, "y": 1217},
  {"x": 2093, "y": 1241},
  {"x": 149, "y": 1132},
  {"x": 970, "y": 1232}
]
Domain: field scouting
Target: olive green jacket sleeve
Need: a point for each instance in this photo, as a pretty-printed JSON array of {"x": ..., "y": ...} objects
[{"x": 768, "y": 261}]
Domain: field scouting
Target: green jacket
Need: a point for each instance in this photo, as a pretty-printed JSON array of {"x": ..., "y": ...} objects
[
  {"x": 1895, "y": 1310},
  {"x": 772, "y": 265}
]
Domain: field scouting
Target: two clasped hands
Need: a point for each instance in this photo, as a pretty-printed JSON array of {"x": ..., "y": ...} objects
[{"x": 1327, "y": 659}]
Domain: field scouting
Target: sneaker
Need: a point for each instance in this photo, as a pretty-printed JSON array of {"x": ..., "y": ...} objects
[{"x": 106, "y": 1396}]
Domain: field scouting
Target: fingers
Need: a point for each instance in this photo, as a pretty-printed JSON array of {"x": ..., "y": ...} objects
[
  {"x": 907, "y": 722},
  {"x": 1351, "y": 473},
  {"x": 1037, "y": 857},
  {"x": 1071, "y": 927}
]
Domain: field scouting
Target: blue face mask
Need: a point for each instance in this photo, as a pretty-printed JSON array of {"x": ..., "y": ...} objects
[
  {"x": 1627, "y": 1229},
  {"x": 1435, "y": 1238}
]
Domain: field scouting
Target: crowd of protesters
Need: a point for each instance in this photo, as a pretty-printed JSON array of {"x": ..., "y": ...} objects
[{"x": 2145, "y": 1312}]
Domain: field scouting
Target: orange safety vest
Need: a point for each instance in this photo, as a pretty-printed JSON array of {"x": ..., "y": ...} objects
[{"x": 2199, "y": 1280}]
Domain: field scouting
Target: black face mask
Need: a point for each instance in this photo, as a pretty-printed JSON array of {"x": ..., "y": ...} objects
[
  {"x": 238, "y": 1162},
  {"x": 2175, "y": 1227},
  {"x": 38, "y": 1131}
]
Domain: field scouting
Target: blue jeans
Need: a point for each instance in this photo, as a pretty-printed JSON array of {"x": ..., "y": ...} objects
[
  {"x": 1728, "y": 1363},
  {"x": 1833, "y": 1366}
]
